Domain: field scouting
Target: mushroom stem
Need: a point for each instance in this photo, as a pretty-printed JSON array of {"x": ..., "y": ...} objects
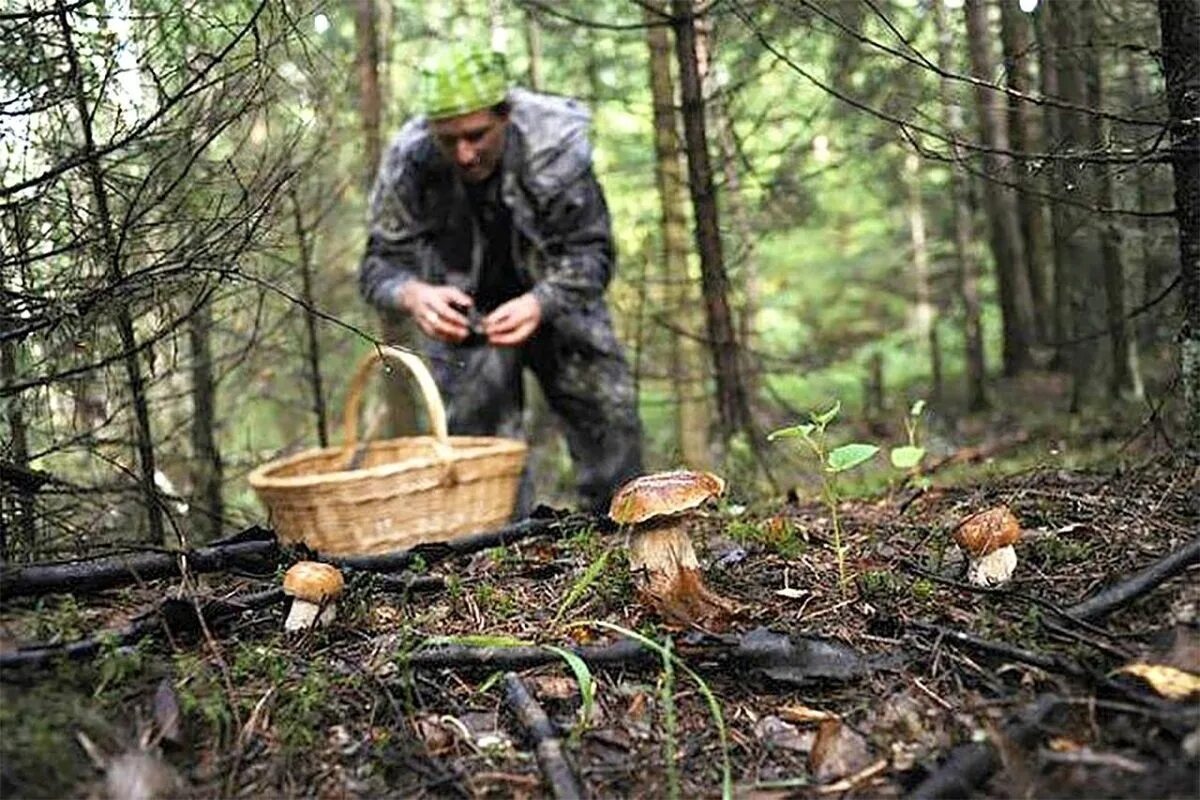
[
  {"x": 667, "y": 573},
  {"x": 308, "y": 615},
  {"x": 993, "y": 569}
]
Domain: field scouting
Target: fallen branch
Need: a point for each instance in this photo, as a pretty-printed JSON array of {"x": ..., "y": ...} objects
[
  {"x": 253, "y": 548},
  {"x": 547, "y": 745},
  {"x": 969, "y": 765},
  {"x": 557, "y": 525},
  {"x": 1138, "y": 584},
  {"x": 1050, "y": 663},
  {"x": 173, "y": 616},
  {"x": 796, "y": 660}
]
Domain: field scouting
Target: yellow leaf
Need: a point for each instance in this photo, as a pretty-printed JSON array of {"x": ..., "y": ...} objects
[{"x": 1172, "y": 683}]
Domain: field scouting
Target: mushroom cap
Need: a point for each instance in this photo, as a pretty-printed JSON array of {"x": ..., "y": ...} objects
[
  {"x": 663, "y": 493},
  {"x": 988, "y": 531},
  {"x": 313, "y": 581}
]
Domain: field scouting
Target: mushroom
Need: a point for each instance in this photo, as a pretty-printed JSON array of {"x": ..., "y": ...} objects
[
  {"x": 987, "y": 538},
  {"x": 315, "y": 588},
  {"x": 657, "y": 508}
]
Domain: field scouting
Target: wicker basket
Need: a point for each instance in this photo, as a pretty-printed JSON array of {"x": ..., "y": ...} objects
[{"x": 407, "y": 491}]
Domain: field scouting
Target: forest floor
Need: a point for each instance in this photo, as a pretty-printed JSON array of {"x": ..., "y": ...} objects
[{"x": 866, "y": 689}]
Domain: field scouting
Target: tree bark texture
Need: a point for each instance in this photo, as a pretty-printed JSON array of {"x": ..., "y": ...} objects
[
  {"x": 731, "y": 395},
  {"x": 1008, "y": 246},
  {"x": 1026, "y": 137},
  {"x": 687, "y": 369},
  {"x": 923, "y": 314},
  {"x": 18, "y": 517},
  {"x": 206, "y": 508},
  {"x": 966, "y": 263},
  {"x": 1180, "y": 21},
  {"x": 1052, "y": 129},
  {"x": 109, "y": 257},
  {"x": 366, "y": 33},
  {"x": 1080, "y": 258},
  {"x": 305, "y": 259}
]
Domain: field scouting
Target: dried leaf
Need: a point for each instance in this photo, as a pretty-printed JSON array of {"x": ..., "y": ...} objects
[
  {"x": 774, "y": 732},
  {"x": 1172, "y": 683},
  {"x": 803, "y": 714},
  {"x": 553, "y": 687},
  {"x": 166, "y": 712},
  {"x": 838, "y": 751}
]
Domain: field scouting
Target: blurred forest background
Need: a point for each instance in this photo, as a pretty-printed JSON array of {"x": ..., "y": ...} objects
[{"x": 971, "y": 203}]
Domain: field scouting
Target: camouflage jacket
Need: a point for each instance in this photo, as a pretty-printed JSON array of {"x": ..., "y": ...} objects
[{"x": 421, "y": 225}]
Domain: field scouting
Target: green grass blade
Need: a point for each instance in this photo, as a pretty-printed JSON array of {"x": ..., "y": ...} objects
[{"x": 583, "y": 676}]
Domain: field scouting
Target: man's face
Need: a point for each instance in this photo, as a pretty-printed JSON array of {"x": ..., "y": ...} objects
[{"x": 473, "y": 142}]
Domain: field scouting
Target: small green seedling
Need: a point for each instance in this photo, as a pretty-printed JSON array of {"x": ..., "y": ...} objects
[
  {"x": 910, "y": 455},
  {"x": 833, "y": 463}
]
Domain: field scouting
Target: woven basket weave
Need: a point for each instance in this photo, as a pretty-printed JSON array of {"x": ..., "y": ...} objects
[{"x": 404, "y": 492}]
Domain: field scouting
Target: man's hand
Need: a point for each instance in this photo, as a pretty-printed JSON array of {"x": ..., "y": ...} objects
[
  {"x": 513, "y": 322},
  {"x": 438, "y": 310}
]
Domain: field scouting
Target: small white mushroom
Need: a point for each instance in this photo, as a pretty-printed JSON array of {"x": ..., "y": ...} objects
[
  {"x": 987, "y": 538},
  {"x": 314, "y": 589}
]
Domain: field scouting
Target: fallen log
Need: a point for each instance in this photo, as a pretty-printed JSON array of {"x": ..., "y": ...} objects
[
  {"x": 254, "y": 548},
  {"x": 1144, "y": 580},
  {"x": 547, "y": 746},
  {"x": 554, "y": 524},
  {"x": 970, "y": 765}
]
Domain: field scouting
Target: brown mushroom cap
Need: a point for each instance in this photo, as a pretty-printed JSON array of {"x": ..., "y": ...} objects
[
  {"x": 313, "y": 581},
  {"x": 988, "y": 531},
  {"x": 662, "y": 493}
]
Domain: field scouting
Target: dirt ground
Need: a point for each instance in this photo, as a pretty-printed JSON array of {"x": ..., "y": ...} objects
[{"x": 923, "y": 665}]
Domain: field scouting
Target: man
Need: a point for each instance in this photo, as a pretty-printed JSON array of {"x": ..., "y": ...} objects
[{"x": 488, "y": 226}]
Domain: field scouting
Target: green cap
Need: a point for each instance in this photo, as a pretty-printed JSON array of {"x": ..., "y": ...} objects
[{"x": 459, "y": 79}]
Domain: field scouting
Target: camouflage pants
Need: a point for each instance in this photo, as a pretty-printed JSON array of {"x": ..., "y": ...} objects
[{"x": 587, "y": 383}]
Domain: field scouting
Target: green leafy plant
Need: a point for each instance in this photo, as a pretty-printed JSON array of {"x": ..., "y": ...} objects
[
  {"x": 833, "y": 463},
  {"x": 909, "y": 455},
  {"x": 583, "y": 583}
]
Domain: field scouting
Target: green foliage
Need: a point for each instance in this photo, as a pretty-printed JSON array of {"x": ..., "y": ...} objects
[
  {"x": 776, "y": 533},
  {"x": 833, "y": 463},
  {"x": 582, "y": 584},
  {"x": 910, "y": 455},
  {"x": 587, "y": 685}
]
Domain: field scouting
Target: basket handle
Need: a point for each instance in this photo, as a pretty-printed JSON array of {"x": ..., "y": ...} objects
[{"x": 429, "y": 392}]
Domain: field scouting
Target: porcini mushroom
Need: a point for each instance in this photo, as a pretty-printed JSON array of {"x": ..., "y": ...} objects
[
  {"x": 657, "y": 508},
  {"x": 987, "y": 538},
  {"x": 314, "y": 588}
]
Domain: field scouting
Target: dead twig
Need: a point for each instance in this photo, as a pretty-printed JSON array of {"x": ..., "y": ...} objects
[
  {"x": 547, "y": 745},
  {"x": 1144, "y": 580}
]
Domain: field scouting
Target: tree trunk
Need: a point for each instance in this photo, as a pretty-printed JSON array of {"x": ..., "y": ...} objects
[
  {"x": 18, "y": 518},
  {"x": 731, "y": 396},
  {"x": 967, "y": 265},
  {"x": 687, "y": 363},
  {"x": 108, "y": 255},
  {"x": 533, "y": 43},
  {"x": 369, "y": 100},
  {"x": 205, "y": 509},
  {"x": 320, "y": 416},
  {"x": 1180, "y": 20},
  {"x": 1008, "y": 248},
  {"x": 1125, "y": 379},
  {"x": 1059, "y": 255},
  {"x": 1079, "y": 257},
  {"x": 924, "y": 320},
  {"x": 1026, "y": 137}
]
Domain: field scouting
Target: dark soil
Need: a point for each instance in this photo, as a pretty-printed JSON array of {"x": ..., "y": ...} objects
[{"x": 342, "y": 713}]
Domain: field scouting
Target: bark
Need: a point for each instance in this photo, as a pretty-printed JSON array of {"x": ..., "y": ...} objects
[
  {"x": 205, "y": 508},
  {"x": 1026, "y": 136},
  {"x": 18, "y": 510},
  {"x": 687, "y": 365},
  {"x": 533, "y": 43},
  {"x": 551, "y": 758},
  {"x": 1144, "y": 580},
  {"x": 923, "y": 315},
  {"x": 109, "y": 257},
  {"x": 1080, "y": 257},
  {"x": 1059, "y": 255},
  {"x": 320, "y": 415},
  {"x": 966, "y": 264},
  {"x": 253, "y": 549},
  {"x": 1180, "y": 21},
  {"x": 1008, "y": 247},
  {"x": 731, "y": 394},
  {"x": 1125, "y": 379},
  {"x": 369, "y": 100}
]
